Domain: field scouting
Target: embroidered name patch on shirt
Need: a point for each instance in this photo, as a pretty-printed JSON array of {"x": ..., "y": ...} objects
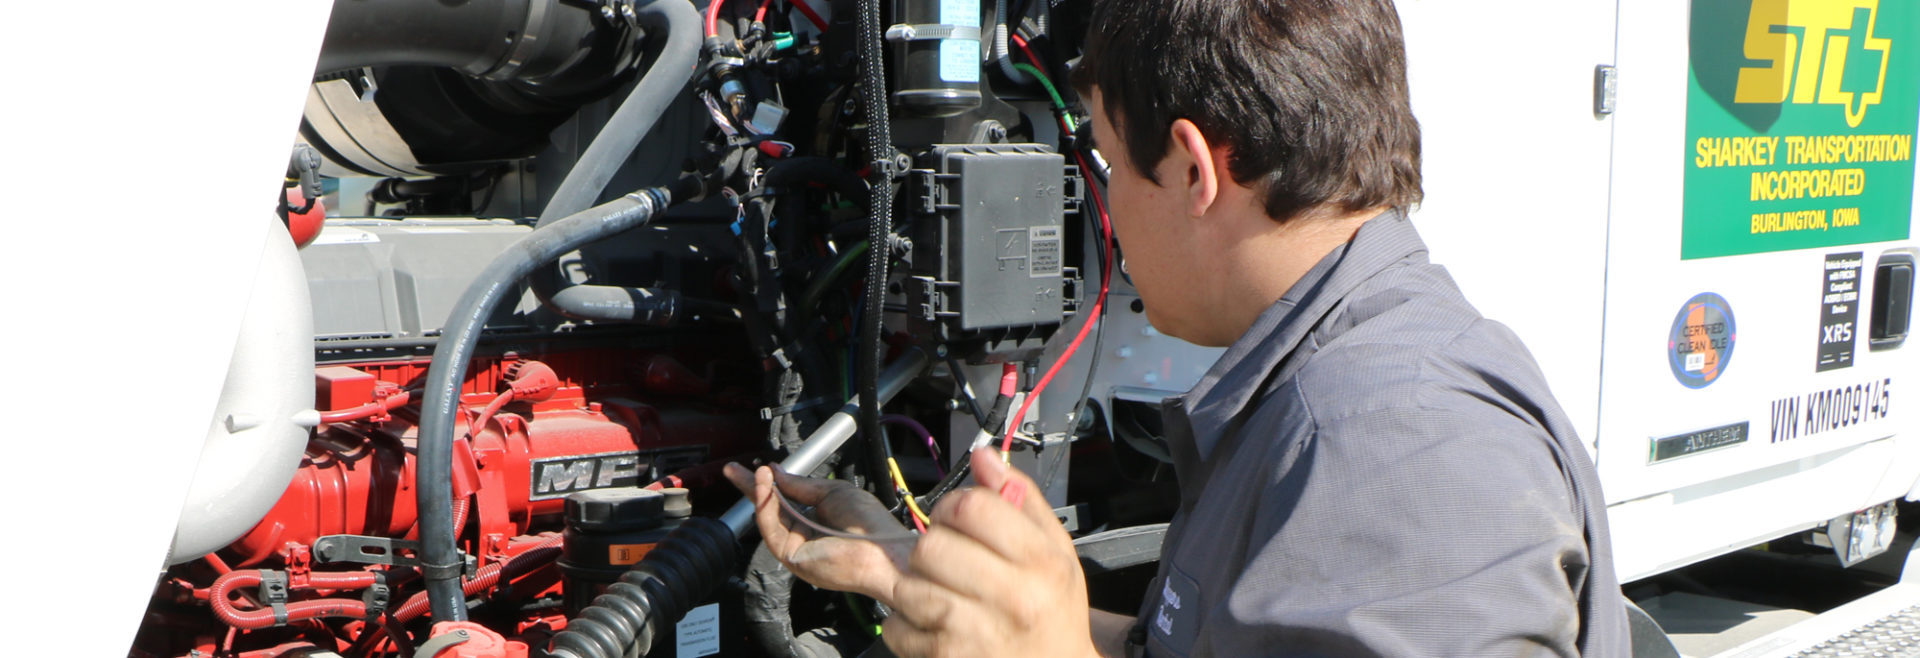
[{"x": 1175, "y": 618}]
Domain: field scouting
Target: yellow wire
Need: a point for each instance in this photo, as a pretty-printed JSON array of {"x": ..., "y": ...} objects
[{"x": 900, "y": 481}]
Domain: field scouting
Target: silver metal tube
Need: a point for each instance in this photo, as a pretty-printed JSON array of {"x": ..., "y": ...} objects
[{"x": 832, "y": 434}]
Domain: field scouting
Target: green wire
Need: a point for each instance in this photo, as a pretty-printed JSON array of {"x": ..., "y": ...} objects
[
  {"x": 819, "y": 286},
  {"x": 861, "y": 615},
  {"x": 1055, "y": 93}
]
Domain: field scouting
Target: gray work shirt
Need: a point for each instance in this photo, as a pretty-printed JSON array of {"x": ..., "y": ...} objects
[{"x": 1375, "y": 469}]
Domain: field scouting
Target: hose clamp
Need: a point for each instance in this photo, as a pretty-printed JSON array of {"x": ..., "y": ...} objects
[
  {"x": 442, "y": 642},
  {"x": 932, "y": 32},
  {"x": 523, "y": 48},
  {"x": 443, "y": 571},
  {"x": 378, "y": 596},
  {"x": 273, "y": 592}
]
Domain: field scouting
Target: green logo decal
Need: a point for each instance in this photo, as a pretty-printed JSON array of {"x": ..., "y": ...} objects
[{"x": 1800, "y": 124}]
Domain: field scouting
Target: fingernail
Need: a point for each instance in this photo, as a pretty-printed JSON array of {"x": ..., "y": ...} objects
[{"x": 1014, "y": 493}]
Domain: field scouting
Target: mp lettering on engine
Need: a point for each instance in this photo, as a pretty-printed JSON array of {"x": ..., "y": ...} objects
[{"x": 555, "y": 477}]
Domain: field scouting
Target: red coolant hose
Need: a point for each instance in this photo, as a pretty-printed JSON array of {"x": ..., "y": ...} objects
[
  {"x": 487, "y": 577},
  {"x": 487, "y": 414},
  {"x": 369, "y": 409},
  {"x": 223, "y": 607},
  {"x": 221, "y": 594}
]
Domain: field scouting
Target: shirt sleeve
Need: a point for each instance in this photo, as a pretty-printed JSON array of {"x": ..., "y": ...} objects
[{"x": 1411, "y": 532}]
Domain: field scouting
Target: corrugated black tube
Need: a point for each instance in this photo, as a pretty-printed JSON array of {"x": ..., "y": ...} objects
[{"x": 677, "y": 575}]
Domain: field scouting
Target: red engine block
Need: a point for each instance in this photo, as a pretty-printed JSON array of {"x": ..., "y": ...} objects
[
  {"x": 575, "y": 421},
  {"x": 593, "y": 432}
]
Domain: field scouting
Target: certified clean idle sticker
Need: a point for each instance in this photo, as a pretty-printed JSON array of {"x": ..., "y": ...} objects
[{"x": 1700, "y": 344}]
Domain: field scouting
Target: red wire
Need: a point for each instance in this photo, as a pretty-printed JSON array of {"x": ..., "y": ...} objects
[
  {"x": 811, "y": 16},
  {"x": 761, "y": 15},
  {"x": 367, "y": 410},
  {"x": 922, "y": 527},
  {"x": 1106, "y": 277},
  {"x": 713, "y": 17},
  {"x": 1022, "y": 43},
  {"x": 480, "y": 422}
]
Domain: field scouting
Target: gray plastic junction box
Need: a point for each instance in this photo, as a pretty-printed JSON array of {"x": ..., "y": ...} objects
[{"x": 990, "y": 273}]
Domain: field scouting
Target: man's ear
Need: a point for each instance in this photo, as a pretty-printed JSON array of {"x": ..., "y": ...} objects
[{"x": 1195, "y": 166}]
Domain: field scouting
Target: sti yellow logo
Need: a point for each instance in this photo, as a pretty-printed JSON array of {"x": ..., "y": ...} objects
[{"x": 1820, "y": 51}]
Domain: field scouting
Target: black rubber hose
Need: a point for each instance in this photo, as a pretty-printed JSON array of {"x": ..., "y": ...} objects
[
  {"x": 873, "y": 96},
  {"x": 440, "y": 561},
  {"x": 678, "y": 574},
  {"x": 673, "y": 66}
]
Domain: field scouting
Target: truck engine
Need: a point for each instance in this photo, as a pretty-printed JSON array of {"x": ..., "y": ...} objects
[{"x": 541, "y": 268}]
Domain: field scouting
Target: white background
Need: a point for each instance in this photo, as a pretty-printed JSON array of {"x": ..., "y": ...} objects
[{"x": 143, "y": 145}]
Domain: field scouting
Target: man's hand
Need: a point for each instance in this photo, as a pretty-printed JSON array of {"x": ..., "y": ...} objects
[
  {"x": 990, "y": 578},
  {"x": 847, "y": 565}
]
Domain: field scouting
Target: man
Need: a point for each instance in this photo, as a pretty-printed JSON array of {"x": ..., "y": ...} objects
[{"x": 1370, "y": 468}]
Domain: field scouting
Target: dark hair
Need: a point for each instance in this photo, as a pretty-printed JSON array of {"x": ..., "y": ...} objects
[{"x": 1310, "y": 95}]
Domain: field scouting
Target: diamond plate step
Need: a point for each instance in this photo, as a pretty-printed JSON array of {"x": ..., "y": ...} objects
[
  {"x": 1893, "y": 636},
  {"x": 1883, "y": 624}
]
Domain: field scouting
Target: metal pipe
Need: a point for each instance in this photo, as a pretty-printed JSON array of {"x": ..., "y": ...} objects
[{"x": 832, "y": 434}]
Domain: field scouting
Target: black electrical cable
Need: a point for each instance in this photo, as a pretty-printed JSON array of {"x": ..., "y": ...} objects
[
  {"x": 440, "y": 562},
  {"x": 1002, "y": 405},
  {"x": 966, "y": 390},
  {"x": 879, "y": 219}
]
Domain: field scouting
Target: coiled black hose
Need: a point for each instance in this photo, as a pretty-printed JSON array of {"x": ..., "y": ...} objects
[
  {"x": 678, "y": 574},
  {"x": 440, "y": 561},
  {"x": 873, "y": 97}
]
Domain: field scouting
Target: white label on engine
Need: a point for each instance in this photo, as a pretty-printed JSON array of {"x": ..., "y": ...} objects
[
  {"x": 698, "y": 634},
  {"x": 344, "y": 235},
  {"x": 960, "y": 60},
  {"x": 961, "y": 13}
]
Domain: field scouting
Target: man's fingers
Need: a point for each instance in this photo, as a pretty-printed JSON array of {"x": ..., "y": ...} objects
[
  {"x": 907, "y": 640},
  {"x": 924, "y": 604},
  {"x": 780, "y": 539},
  {"x": 955, "y": 561},
  {"x": 1012, "y": 533},
  {"x": 804, "y": 490},
  {"x": 757, "y": 485},
  {"x": 741, "y": 478},
  {"x": 991, "y": 472}
]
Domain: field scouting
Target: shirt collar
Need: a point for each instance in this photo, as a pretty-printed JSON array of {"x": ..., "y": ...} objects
[{"x": 1240, "y": 373}]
